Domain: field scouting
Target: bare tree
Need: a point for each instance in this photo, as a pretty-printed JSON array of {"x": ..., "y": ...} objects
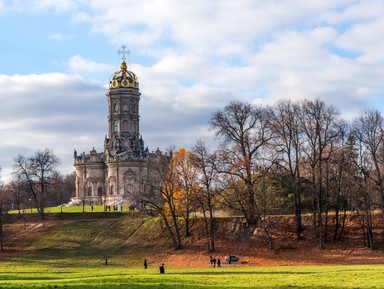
[
  {"x": 19, "y": 195},
  {"x": 368, "y": 130},
  {"x": 341, "y": 175},
  {"x": 62, "y": 189},
  {"x": 321, "y": 126},
  {"x": 205, "y": 187},
  {"x": 38, "y": 173},
  {"x": 185, "y": 175},
  {"x": 246, "y": 131},
  {"x": 289, "y": 145},
  {"x": 244, "y": 155},
  {"x": 5, "y": 206},
  {"x": 160, "y": 194}
]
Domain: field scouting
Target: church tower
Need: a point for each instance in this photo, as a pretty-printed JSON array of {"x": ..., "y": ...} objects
[
  {"x": 110, "y": 176},
  {"x": 123, "y": 114}
]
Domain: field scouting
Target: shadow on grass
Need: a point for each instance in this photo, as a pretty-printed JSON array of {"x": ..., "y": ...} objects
[{"x": 242, "y": 273}]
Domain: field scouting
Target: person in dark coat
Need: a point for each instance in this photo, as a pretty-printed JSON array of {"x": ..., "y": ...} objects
[
  {"x": 161, "y": 268},
  {"x": 218, "y": 262},
  {"x": 145, "y": 264}
]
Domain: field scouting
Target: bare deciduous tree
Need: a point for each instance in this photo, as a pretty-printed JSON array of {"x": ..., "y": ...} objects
[
  {"x": 160, "y": 194},
  {"x": 288, "y": 143},
  {"x": 185, "y": 175},
  {"x": 205, "y": 187},
  {"x": 368, "y": 131},
  {"x": 5, "y": 206},
  {"x": 246, "y": 131},
  {"x": 38, "y": 173},
  {"x": 321, "y": 126},
  {"x": 244, "y": 155}
]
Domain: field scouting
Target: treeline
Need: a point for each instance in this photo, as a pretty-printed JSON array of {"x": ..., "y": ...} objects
[
  {"x": 300, "y": 157},
  {"x": 35, "y": 184}
]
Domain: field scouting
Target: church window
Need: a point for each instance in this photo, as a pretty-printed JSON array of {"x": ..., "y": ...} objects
[
  {"x": 125, "y": 107},
  {"x": 115, "y": 107},
  {"x": 125, "y": 126},
  {"x": 112, "y": 190},
  {"x": 99, "y": 192},
  {"x": 89, "y": 191},
  {"x": 116, "y": 126}
]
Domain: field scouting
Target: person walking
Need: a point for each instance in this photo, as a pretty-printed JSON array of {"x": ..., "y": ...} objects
[
  {"x": 145, "y": 264},
  {"x": 161, "y": 268},
  {"x": 218, "y": 262}
]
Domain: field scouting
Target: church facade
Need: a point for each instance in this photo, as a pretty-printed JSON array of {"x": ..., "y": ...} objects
[{"x": 109, "y": 176}]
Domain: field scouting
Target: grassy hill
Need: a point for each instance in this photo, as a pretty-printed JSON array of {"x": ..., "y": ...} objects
[
  {"x": 86, "y": 238},
  {"x": 126, "y": 239},
  {"x": 69, "y": 252}
]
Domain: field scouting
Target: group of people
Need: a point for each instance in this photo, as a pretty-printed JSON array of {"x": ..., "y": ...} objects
[
  {"x": 161, "y": 267},
  {"x": 114, "y": 207},
  {"x": 212, "y": 262}
]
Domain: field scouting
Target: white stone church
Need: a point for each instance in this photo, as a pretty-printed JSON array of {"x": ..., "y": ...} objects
[{"x": 107, "y": 177}]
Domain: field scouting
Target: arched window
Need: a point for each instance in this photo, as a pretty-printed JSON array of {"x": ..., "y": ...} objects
[
  {"x": 116, "y": 126},
  {"x": 89, "y": 191},
  {"x": 99, "y": 192},
  {"x": 112, "y": 190},
  {"x": 125, "y": 107},
  {"x": 125, "y": 126}
]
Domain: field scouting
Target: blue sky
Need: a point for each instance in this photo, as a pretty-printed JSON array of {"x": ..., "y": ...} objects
[{"x": 191, "y": 57}]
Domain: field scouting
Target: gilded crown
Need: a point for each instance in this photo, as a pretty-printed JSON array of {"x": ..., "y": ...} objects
[{"x": 124, "y": 78}]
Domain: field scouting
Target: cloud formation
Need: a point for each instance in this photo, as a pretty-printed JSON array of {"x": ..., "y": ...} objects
[{"x": 192, "y": 58}]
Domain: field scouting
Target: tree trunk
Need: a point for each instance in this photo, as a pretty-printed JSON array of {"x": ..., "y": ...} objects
[
  {"x": 206, "y": 230},
  {"x": 251, "y": 212},
  {"x": 297, "y": 208},
  {"x": 175, "y": 243},
  {"x": 211, "y": 229},
  {"x": 187, "y": 233},
  {"x": 1, "y": 231},
  {"x": 337, "y": 224},
  {"x": 343, "y": 224},
  {"x": 177, "y": 231},
  {"x": 369, "y": 230}
]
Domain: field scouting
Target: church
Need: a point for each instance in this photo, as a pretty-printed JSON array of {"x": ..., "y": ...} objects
[{"x": 108, "y": 177}]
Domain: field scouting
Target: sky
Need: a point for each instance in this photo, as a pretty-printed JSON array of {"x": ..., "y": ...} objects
[{"x": 191, "y": 58}]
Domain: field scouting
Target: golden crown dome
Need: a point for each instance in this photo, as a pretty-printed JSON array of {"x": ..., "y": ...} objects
[{"x": 124, "y": 78}]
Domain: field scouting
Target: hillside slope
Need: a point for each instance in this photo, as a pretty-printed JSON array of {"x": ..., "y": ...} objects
[{"x": 88, "y": 239}]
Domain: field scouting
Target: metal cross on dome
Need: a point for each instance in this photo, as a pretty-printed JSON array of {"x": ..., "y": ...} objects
[{"x": 123, "y": 51}]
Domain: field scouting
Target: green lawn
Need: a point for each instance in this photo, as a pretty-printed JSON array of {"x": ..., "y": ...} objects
[
  {"x": 70, "y": 209},
  {"x": 14, "y": 275},
  {"x": 71, "y": 254}
]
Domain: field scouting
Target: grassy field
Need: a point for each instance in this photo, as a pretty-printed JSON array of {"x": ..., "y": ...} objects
[
  {"x": 70, "y": 253},
  {"x": 70, "y": 209},
  {"x": 15, "y": 275}
]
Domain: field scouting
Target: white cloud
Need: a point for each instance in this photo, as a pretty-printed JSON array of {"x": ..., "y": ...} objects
[
  {"x": 39, "y": 5},
  {"x": 194, "y": 57},
  {"x": 79, "y": 64},
  {"x": 49, "y": 111},
  {"x": 60, "y": 37}
]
